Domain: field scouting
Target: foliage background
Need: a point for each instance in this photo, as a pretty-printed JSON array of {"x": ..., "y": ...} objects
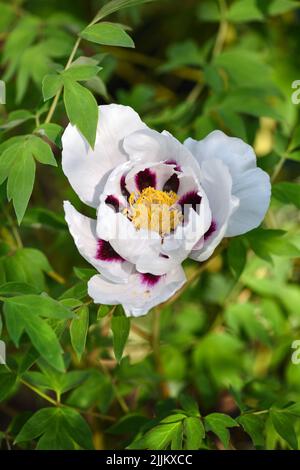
[{"x": 211, "y": 368}]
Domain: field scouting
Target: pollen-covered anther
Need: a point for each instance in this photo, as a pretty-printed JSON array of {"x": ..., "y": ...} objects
[{"x": 155, "y": 210}]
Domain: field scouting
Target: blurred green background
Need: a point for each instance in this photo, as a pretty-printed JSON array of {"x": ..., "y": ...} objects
[{"x": 223, "y": 348}]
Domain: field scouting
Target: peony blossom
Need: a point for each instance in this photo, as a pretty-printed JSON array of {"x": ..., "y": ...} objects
[{"x": 158, "y": 202}]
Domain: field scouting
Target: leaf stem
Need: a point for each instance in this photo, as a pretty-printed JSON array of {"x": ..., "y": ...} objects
[
  {"x": 57, "y": 96},
  {"x": 39, "y": 392},
  {"x": 222, "y": 32}
]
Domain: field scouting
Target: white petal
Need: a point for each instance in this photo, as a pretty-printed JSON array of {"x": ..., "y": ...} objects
[
  {"x": 83, "y": 231},
  {"x": 137, "y": 297},
  {"x": 123, "y": 236},
  {"x": 234, "y": 152},
  {"x": 253, "y": 189},
  {"x": 151, "y": 146},
  {"x": 160, "y": 174},
  {"x": 155, "y": 262},
  {"x": 86, "y": 168},
  {"x": 250, "y": 185},
  {"x": 179, "y": 244},
  {"x": 217, "y": 183}
]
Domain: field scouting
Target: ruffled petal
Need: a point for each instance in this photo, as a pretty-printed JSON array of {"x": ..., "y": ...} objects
[
  {"x": 96, "y": 251},
  {"x": 250, "y": 185},
  {"x": 148, "y": 145},
  {"x": 143, "y": 175},
  {"x": 87, "y": 169},
  {"x": 217, "y": 184},
  {"x": 253, "y": 190},
  {"x": 234, "y": 152},
  {"x": 140, "y": 294},
  {"x": 123, "y": 236}
]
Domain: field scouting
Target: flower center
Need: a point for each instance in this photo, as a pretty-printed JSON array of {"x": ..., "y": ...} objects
[{"x": 155, "y": 210}]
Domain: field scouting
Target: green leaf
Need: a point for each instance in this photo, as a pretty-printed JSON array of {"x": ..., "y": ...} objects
[
  {"x": 21, "y": 181},
  {"x": 245, "y": 317},
  {"x": 218, "y": 424},
  {"x": 237, "y": 256},
  {"x": 271, "y": 242},
  {"x": 36, "y": 425},
  {"x": 52, "y": 379},
  {"x": 15, "y": 118},
  {"x": 21, "y": 314},
  {"x": 208, "y": 11},
  {"x": 245, "y": 68},
  {"x": 81, "y": 72},
  {"x": 44, "y": 340},
  {"x": 79, "y": 329},
  {"x": 77, "y": 428},
  {"x": 51, "y": 85},
  {"x": 41, "y": 305},
  {"x": 288, "y": 193},
  {"x": 116, "y": 5},
  {"x": 120, "y": 326},
  {"x": 82, "y": 109},
  {"x": 278, "y": 7},
  {"x": 294, "y": 409},
  {"x": 176, "y": 443},
  {"x": 284, "y": 426},
  {"x": 51, "y": 131},
  {"x": 243, "y": 11},
  {"x": 59, "y": 427},
  {"x": 129, "y": 424},
  {"x": 109, "y": 34},
  {"x": 27, "y": 265},
  {"x": 96, "y": 390},
  {"x": 14, "y": 326},
  {"x": 7, "y": 382},
  {"x": 16, "y": 288},
  {"x": 41, "y": 150},
  {"x": 102, "y": 311},
  {"x": 194, "y": 433},
  {"x": 189, "y": 404},
  {"x": 254, "y": 426},
  {"x": 7, "y": 159},
  {"x": 159, "y": 437}
]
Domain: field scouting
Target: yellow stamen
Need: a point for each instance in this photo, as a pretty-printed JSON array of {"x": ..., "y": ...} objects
[{"x": 154, "y": 210}]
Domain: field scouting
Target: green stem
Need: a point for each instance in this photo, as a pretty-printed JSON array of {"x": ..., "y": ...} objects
[
  {"x": 57, "y": 96},
  {"x": 221, "y": 36},
  {"x": 39, "y": 392}
]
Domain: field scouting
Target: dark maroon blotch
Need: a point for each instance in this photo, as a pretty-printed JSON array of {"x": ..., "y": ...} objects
[
  {"x": 144, "y": 179},
  {"x": 124, "y": 190},
  {"x": 150, "y": 279},
  {"x": 105, "y": 252},
  {"x": 191, "y": 198},
  {"x": 113, "y": 201},
  {"x": 173, "y": 162},
  {"x": 211, "y": 230},
  {"x": 172, "y": 184}
]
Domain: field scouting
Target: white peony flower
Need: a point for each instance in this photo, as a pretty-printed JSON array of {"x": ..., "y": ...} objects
[{"x": 158, "y": 202}]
